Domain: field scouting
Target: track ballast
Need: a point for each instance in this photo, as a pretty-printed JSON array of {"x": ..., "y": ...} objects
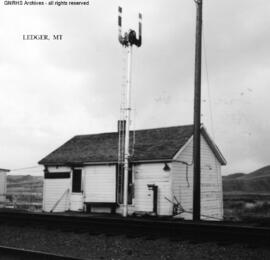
[{"x": 131, "y": 226}]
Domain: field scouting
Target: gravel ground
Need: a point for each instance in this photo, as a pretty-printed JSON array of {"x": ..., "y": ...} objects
[{"x": 89, "y": 246}]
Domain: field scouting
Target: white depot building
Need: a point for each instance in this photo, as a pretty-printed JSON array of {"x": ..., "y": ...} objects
[
  {"x": 83, "y": 174},
  {"x": 3, "y": 184}
]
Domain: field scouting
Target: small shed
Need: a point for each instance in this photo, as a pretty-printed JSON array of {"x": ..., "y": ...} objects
[
  {"x": 3, "y": 184},
  {"x": 83, "y": 174}
]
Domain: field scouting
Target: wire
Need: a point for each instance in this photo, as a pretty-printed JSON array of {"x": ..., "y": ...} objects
[
  {"x": 179, "y": 209},
  {"x": 134, "y": 133},
  {"x": 187, "y": 165},
  {"x": 25, "y": 168},
  {"x": 134, "y": 129},
  {"x": 208, "y": 86},
  {"x": 219, "y": 182}
]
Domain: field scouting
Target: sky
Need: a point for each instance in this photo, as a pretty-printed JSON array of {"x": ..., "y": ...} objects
[{"x": 53, "y": 90}]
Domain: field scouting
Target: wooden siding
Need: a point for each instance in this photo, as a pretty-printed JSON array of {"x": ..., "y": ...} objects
[
  {"x": 211, "y": 182},
  {"x": 100, "y": 183},
  {"x": 53, "y": 189},
  {"x": 152, "y": 173},
  {"x": 76, "y": 202},
  {"x": 3, "y": 186}
]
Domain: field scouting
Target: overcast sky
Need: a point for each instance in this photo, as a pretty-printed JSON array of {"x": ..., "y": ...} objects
[{"x": 53, "y": 90}]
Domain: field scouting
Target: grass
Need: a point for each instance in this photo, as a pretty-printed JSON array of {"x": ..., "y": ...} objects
[
  {"x": 25, "y": 192},
  {"x": 247, "y": 207}
]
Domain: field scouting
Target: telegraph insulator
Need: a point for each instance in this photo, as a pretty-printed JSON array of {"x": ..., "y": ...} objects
[{"x": 130, "y": 37}]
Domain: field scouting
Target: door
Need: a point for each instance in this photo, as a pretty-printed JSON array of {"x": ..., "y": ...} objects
[
  {"x": 143, "y": 196},
  {"x": 76, "y": 198}
]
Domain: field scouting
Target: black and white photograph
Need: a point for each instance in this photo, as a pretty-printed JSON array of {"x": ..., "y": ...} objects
[{"x": 135, "y": 129}]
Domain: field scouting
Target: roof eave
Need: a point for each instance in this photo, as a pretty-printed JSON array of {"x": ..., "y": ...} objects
[
  {"x": 213, "y": 146},
  {"x": 103, "y": 163}
]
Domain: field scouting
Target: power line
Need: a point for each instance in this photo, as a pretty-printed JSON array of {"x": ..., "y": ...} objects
[
  {"x": 210, "y": 108},
  {"x": 25, "y": 168},
  {"x": 208, "y": 86}
]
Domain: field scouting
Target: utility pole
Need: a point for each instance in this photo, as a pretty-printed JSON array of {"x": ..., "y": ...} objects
[
  {"x": 197, "y": 116},
  {"x": 127, "y": 41}
]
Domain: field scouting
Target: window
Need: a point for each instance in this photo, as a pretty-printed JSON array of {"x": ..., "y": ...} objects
[
  {"x": 77, "y": 180},
  {"x": 56, "y": 175}
]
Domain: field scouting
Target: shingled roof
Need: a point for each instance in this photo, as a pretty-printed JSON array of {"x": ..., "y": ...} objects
[{"x": 149, "y": 145}]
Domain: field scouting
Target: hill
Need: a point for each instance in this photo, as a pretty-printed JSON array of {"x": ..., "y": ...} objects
[
  {"x": 233, "y": 176},
  {"x": 23, "y": 178},
  {"x": 24, "y": 183},
  {"x": 25, "y": 192},
  {"x": 255, "y": 182}
]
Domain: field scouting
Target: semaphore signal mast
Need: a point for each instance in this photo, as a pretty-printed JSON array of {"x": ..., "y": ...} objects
[{"x": 127, "y": 41}]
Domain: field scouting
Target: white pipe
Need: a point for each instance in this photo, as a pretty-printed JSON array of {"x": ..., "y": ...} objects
[{"x": 127, "y": 117}]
